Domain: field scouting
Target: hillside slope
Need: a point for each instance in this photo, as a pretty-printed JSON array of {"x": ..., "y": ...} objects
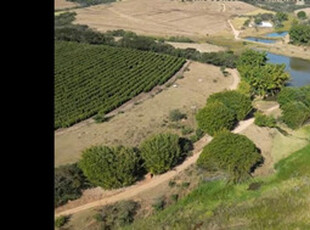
[{"x": 280, "y": 201}]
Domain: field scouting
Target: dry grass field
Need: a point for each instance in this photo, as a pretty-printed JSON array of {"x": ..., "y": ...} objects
[
  {"x": 145, "y": 118},
  {"x": 201, "y": 47},
  {"x": 163, "y": 17},
  {"x": 63, "y": 4}
]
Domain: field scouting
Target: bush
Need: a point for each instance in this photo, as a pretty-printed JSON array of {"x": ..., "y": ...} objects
[
  {"x": 61, "y": 221},
  {"x": 215, "y": 117},
  {"x": 295, "y": 114},
  {"x": 300, "y": 34},
  {"x": 302, "y": 15},
  {"x": 264, "y": 120},
  {"x": 290, "y": 94},
  {"x": 159, "y": 204},
  {"x": 174, "y": 197},
  {"x": 69, "y": 182},
  {"x": 186, "y": 130},
  {"x": 111, "y": 167},
  {"x": 245, "y": 88},
  {"x": 117, "y": 215},
  {"x": 233, "y": 153},
  {"x": 240, "y": 104},
  {"x": 176, "y": 115},
  {"x": 160, "y": 152}
]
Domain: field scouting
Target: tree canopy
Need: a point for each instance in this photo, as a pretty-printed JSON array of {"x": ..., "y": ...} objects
[
  {"x": 111, "y": 167},
  {"x": 235, "y": 154}
]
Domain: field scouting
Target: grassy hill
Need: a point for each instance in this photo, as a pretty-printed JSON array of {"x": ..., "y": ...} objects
[{"x": 280, "y": 201}]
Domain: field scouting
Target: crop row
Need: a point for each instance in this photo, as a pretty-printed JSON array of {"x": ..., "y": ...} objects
[{"x": 96, "y": 78}]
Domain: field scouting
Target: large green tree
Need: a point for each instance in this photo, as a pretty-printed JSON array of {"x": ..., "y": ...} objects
[
  {"x": 240, "y": 104},
  {"x": 264, "y": 78},
  {"x": 300, "y": 34},
  {"x": 214, "y": 117},
  {"x": 233, "y": 153},
  {"x": 161, "y": 152},
  {"x": 111, "y": 167}
]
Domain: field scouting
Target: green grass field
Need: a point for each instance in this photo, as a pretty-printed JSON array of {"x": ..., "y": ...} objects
[
  {"x": 282, "y": 202},
  {"x": 98, "y": 78}
]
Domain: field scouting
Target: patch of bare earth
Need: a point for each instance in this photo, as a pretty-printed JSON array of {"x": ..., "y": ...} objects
[
  {"x": 63, "y": 4},
  {"x": 201, "y": 47},
  {"x": 162, "y": 17}
]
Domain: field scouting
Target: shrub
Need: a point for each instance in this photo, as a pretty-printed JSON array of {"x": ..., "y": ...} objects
[
  {"x": 186, "y": 130},
  {"x": 174, "y": 197},
  {"x": 300, "y": 34},
  {"x": 235, "y": 154},
  {"x": 176, "y": 115},
  {"x": 215, "y": 117},
  {"x": 240, "y": 104},
  {"x": 117, "y": 215},
  {"x": 111, "y": 167},
  {"x": 290, "y": 94},
  {"x": 302, "y": 15},
  {"x": 245, "y": 88},
  {"x": 186, "y": 145},
  {"x": 69, "y": 182},
  {"x": 159, "y": 204},
  {"x": 264, "y": 120},
  {"x": 61, "y": 221},
  {"x": 160, "y": 152},
  {"x": 99, "y": 118},
  {"x": 295, "y": 114}
]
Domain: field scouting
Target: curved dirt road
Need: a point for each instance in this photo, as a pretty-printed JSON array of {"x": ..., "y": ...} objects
[{"x": 141, "y": 186}]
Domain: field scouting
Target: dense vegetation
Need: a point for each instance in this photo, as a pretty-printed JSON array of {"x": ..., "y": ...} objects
[
  {"x": 91, "y": 79},
  {"x": 295, "y": 105},
  {"x": 111, "y": 167},
  {"x": 294, "y": 94},
  {"x": 264, "y": 79},
  {"x": 238, "y": 103},
  {"x": 117, "y": 215},
  {"x": 61, "y": 221},
  {"x": 218, "y": 205},
  {"x": 300, "y": 34},
  {"x": 69, "y": 181},
  {"x": 215, "y": 117},
  {"x": 263, "y": 120},
  {"x": 280, "y": 6},
  {"x": 235, "y": 154},
  {"x": 302, "y": 15},
  {"x": 295, "y": 114},
  {"x": 66, "y": 31},
  {"x": 161, "y": 152}
]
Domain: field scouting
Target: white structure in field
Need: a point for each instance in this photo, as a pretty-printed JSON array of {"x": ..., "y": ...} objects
[
  {"x": 265, "y": 24},
  {"x": 262, "y": 24}
]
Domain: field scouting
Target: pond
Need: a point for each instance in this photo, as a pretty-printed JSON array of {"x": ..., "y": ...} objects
[
  {"x": 260, "y": 40},
  {"x": 276, "y": 35},
  {"x": 298, "y": 68},
  {"x": 270, "y": 35}
]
